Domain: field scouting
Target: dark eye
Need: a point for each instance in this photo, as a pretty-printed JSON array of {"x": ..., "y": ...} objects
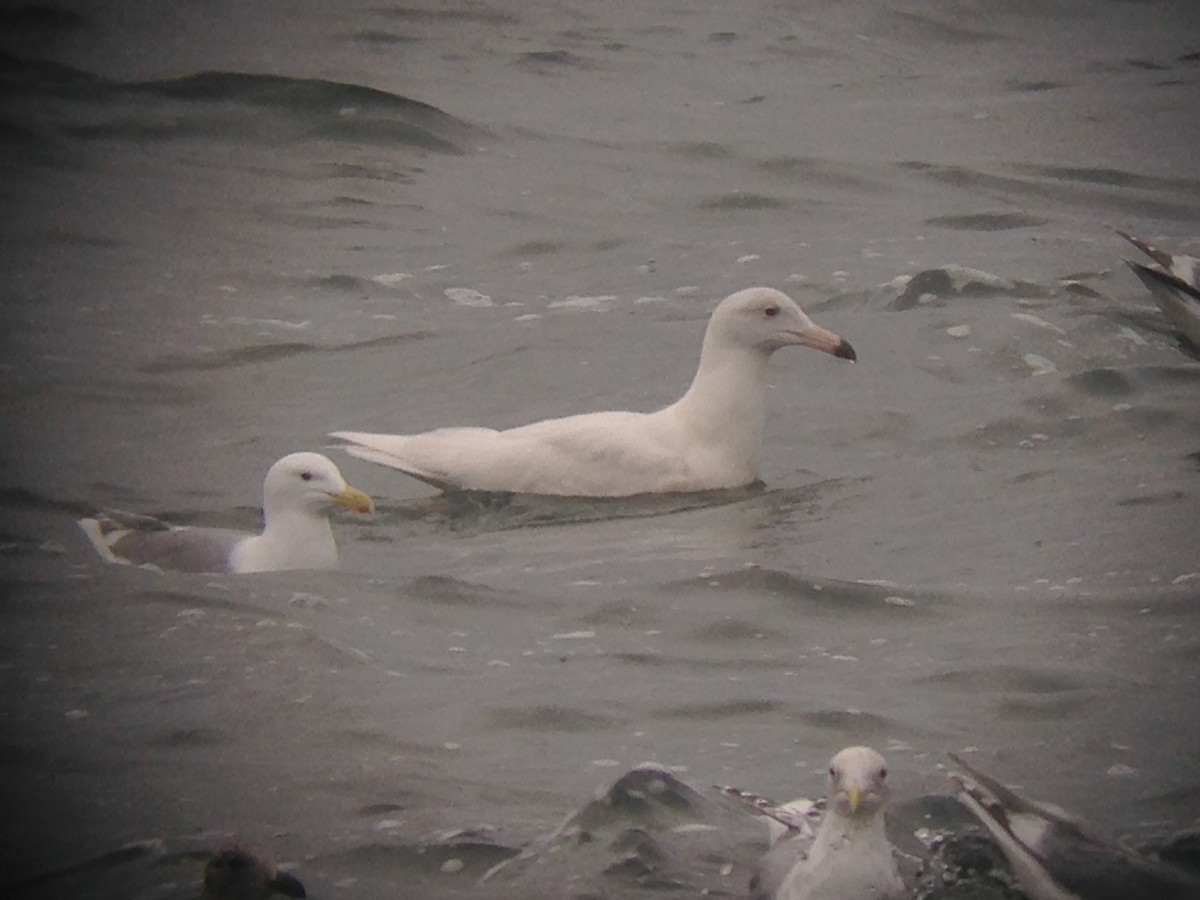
[
  {"x": 771, "y": 312},
  {"x": 882, "y": 774},
  {"x": 307, "y": 476},
  {"x": 833, "y": 771}
]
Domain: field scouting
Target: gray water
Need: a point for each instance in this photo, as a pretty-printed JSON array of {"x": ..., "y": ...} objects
[{"x": 232, "y": 228}]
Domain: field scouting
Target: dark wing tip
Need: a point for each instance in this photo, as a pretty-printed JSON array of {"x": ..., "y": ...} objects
[
  {"x": 845, "y": 351},
  {"x": 288, "y": 885},
  {"x": 1162, "y": 257}
]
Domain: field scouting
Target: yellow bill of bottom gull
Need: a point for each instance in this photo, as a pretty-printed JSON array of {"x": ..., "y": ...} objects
[
  {"x": 709, "y": 439},
  {"x": 237, "y": 872},
  {"x": 851, "y": 856},
  {"x": 298, "y": 493},
  {"x": 1053, "y": 856}
]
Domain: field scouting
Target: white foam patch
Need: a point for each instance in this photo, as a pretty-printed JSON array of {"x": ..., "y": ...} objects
[
  {"x": 468, "y": 297},
  {"x": 1039, "y": 364},
  {"x": 599, "y": 302},
  {"x": 391, "y": 279},
  {"x": 1038, "y": 321}
]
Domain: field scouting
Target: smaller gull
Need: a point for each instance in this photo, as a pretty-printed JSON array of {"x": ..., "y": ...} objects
[
  {"x": 1054, "y": 858},
  {"x": 709, "y": 439},
  {"x": 298, "y": 492},
  {"x": 238, "y": 873},
  {"x": 851, "y": 856},
  {"x": 1174, "y": 283}
]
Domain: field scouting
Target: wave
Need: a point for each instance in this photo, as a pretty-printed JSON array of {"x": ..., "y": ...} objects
[
  {"x": 258, "y": 354},
  {"x": 236, "y": 106},
  {"x": 1062, "y": 188}
]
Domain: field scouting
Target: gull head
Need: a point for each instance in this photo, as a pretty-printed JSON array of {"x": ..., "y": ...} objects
[
  {"x": 310, "y": 482},
  {"x": 858, "y": 783},
  {"x": 766, "y": 319}
]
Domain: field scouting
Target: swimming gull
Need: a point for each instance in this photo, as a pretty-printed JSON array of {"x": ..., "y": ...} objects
[
  {"x": 298, "y": 492},
  {"x": 710, "y": 438},
  {"x": 1055, "y": 859},
  {"x": 850, "y": 857},
  {"x": 237, "y": 872},
  {"x": 1174, "y": 283}
]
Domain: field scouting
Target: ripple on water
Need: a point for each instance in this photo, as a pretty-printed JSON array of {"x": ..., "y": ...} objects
[
  {"x": 809, "y": 592},
  {"x": 445, "y": 590},
  {"x": 852, "y": 724},
  {"x": 1003, "y": 678},
  {"x": 728, "y": 709},
  {"x": 987, "y": 221},
  {"x": 548, "y": 718}
]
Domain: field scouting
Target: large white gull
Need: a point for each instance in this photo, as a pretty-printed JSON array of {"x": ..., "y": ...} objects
[
  {"x": 711, "y": 438},
  {"x": 298, "y": 492},
  {"x": 851, "y": 857}
]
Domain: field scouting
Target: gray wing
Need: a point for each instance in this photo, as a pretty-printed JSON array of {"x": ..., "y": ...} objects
[
  {"x": 179, "y": 549},
  {"x": 1049, "y": 851},
  {"x": 1180, "y": 266},
  {"x": 1100, "y": 871},
  {"x": 1179, "y": 301},
  {"x": 776, "y": 864}
]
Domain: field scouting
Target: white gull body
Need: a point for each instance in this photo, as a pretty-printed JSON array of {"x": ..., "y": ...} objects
[
  {"x": 298, "y": 492},
  {"x": 851, "y": 857},
  {"x": 711, "y": 438}
]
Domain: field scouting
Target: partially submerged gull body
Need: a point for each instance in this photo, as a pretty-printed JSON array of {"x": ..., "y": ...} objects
[
  {"x": 851, "y": 856},
  {"x": 298, "y": 493},
  {"x": 237, "y": 872},
  {"x": 711, "y": 438},
  {"x": 1174, "y": 282},
  {"x": 1054, "y": 858}
]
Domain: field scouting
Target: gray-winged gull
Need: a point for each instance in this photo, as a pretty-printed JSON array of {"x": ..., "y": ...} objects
[
  {"x": 851, "y": 856},
  {"x": 1174, "y": 283},
  {"x": 237, "y": 872},
  {"x": 1054, "y": 858},
  {"x": 711, "y": 438},
  {"x": 298, "y": 492}
]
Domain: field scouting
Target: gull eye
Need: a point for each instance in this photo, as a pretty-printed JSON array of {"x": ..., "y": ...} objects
[
  {"x": 882, "y": 774},
  {"x": 307, "y": 476},
  {"x": 771, "y": 312},
  {"x": 833, "y": 771}
]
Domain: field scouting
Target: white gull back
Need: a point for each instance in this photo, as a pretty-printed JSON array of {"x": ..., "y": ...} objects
[{"x": 710, "y": 438}]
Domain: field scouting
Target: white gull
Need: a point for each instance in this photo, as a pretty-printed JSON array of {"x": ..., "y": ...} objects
[
  {"x": 711, "y": 438},
  {"x": 298, "y": 492},
  {"x": 851, "y": 856}
]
